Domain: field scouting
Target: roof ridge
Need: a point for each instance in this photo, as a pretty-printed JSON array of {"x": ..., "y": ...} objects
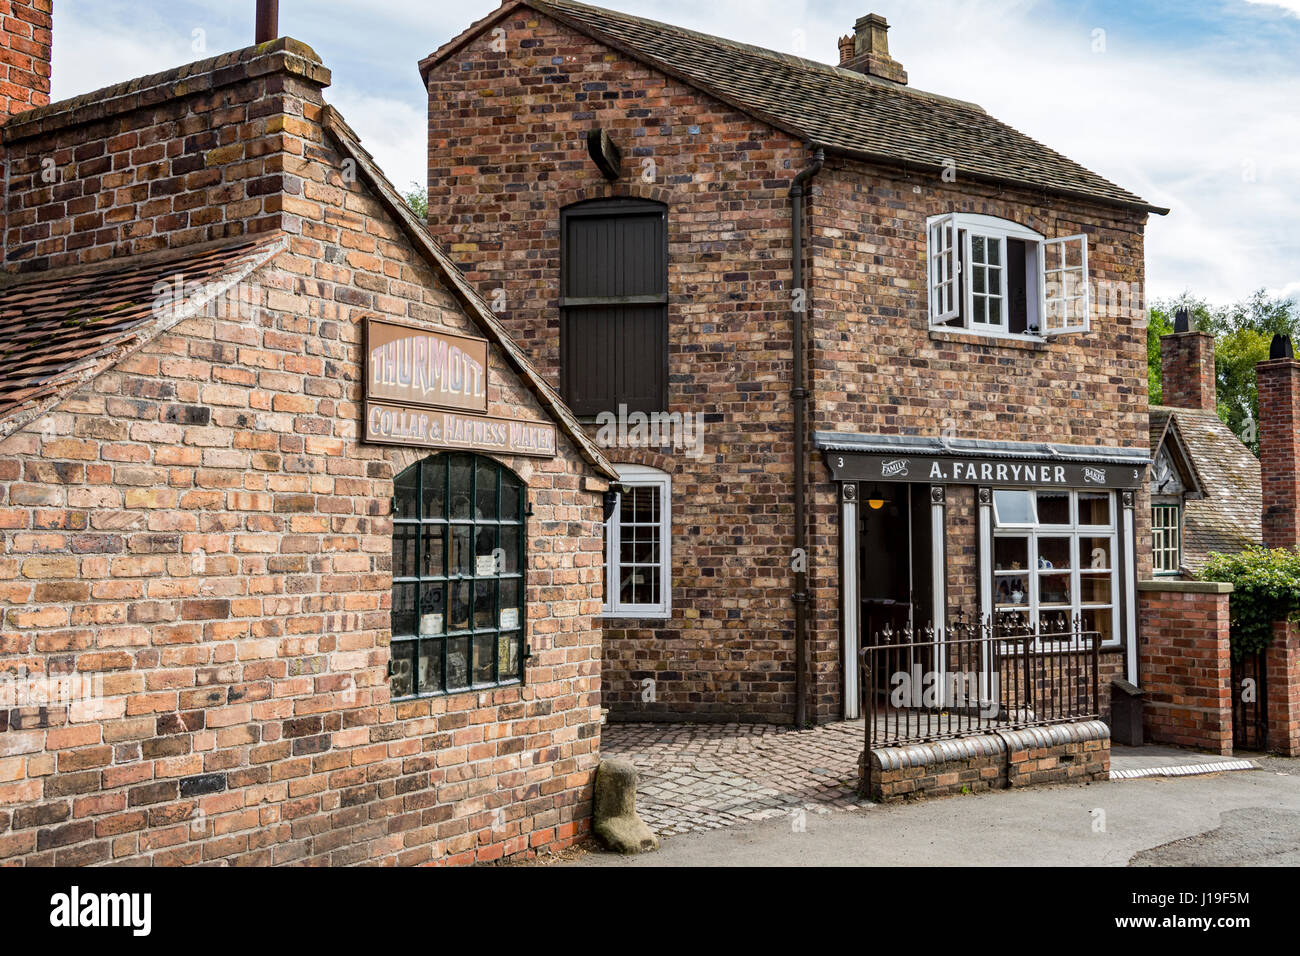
[{"x": 817, "y": 66}]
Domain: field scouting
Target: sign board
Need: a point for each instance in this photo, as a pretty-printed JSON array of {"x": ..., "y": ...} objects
[
  {"x": 428, "y": 389},
  {"x": 413, "y": 366},
  {"x": 970, "y": 470}
]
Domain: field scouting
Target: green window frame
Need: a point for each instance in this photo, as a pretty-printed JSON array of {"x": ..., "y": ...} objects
[{"x": 459, "y": 611}]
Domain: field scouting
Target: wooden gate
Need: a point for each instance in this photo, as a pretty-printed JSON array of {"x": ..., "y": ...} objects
[{"x": 1249, "y": 703}]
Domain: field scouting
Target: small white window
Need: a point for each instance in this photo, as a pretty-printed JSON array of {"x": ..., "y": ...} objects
[
  {"x": 1014, "y": 509},
  {"x": 1167, "y": 538},
  {"x": 638, "y": 545},
  {"x": 999, "y": 278}
]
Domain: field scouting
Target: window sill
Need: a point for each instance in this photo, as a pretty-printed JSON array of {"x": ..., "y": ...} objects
[
  {"x": 636, "y": 615},
  {"x": 472, "y": 689},
  {"x": 1030, "y": 343}
]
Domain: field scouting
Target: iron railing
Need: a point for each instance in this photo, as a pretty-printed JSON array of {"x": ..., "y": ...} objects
[{"x": 977, "y": 677}]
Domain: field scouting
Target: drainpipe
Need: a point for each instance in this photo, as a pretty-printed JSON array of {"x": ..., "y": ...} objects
[{"x": 800, "y": 396}]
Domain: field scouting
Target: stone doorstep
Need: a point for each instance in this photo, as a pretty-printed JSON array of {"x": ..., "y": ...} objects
[{"x": 1185, "y": 770}]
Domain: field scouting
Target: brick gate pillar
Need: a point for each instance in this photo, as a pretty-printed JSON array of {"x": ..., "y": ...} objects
[{"x": 1282, "y": 687}]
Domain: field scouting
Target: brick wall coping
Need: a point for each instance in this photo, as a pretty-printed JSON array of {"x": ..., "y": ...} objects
[
  {"x": 283, "y": 55},
  {"x": 987, "y": 745},
  {"x": 1185, "y": 587}
]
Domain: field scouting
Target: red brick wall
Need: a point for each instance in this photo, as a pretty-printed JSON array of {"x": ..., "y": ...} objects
[
  {"x": 87, "y": 182},
  {"x": 868, "y": 279},
  {"x": 507, "y": 152},
  {"x": 25, "y": 53},
  {"x": 1187, "y": 370},
  {"x": 1185, "y": 664},
  {"x": 1282, "y": 675},
  {"x": 1278, "y": 381},
  {"x": 230, "y": 581}
]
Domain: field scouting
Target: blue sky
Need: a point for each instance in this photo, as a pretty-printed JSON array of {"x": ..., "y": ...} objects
[{"x": 1192, "y": 105}]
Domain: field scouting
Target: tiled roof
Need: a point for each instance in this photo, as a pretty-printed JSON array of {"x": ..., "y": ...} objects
[
  {"x": 831, "y": 107},
  {"x": 475, "y": 307},
  {"x": 60, "y": 329},
  {"x": 1227, "y": 517}
]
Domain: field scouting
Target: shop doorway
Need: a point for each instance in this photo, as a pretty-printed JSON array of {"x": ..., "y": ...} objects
[{"x": 895, "y": 567}]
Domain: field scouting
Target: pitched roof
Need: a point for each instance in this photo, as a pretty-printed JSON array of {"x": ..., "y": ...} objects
[
  {"x": 477, "y": 310},
  {"x": 827, "y": 106},
  {"x": 61, "y": 328},
  {"x": 1226, "y": 518}
]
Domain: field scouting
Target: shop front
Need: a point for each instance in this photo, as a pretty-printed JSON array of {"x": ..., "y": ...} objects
[{"x": 1023, "y": 537}]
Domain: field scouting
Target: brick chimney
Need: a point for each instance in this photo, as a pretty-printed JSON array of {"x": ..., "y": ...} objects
[
  {"x": 1278, "y": 380},
  {"x": 867, "y": 51},
  {"x": 1187, "y": 366},
  {"x": 25, "y": 47}
]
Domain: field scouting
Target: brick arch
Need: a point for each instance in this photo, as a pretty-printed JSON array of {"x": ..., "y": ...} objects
[
  {"x": 403, "y": 458},
  {"x": 649, "y": 458},
  {"x": 631, "y": 189}
]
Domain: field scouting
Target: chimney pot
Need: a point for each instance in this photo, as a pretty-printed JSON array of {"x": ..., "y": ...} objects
[
  {"x": 871, "y": 50},
  {"x": 1182, "y": 320},
  {"x": 846, "y": 49},
  {"x": 1280, "y": 347}
]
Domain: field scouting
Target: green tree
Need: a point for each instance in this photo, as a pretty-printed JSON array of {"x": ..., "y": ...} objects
[{"x": 418, "y": 199}]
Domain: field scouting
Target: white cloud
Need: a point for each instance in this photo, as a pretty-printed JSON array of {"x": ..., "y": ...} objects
[{"x": 1292, "y": 6}]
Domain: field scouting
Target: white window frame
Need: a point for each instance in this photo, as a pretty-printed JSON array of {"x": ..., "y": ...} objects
[
  {"x": 1075, "y": 532},
  {"x": 640, "y": 476},
  {"x": 1166, "y": 539},
  {"x": 1071, "y": 290}
]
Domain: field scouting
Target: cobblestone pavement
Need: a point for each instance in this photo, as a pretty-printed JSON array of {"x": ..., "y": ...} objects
[{"x": 698, "y": 777}]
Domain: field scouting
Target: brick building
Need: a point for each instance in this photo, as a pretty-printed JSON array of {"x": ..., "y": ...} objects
[
  {"x": 677, "y": 225},
  {"x": 299, "y": 555}
]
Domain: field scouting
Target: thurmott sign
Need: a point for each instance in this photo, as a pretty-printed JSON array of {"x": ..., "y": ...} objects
[
  {"x": 425, "y": 388},
  {"x": 412, "y": 366},
  {"x": 860, "y": 466}
]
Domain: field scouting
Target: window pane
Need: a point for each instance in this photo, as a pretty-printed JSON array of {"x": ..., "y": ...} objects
[
  {"x": 1013, "y": 507},
  {"x": 1011, "y": 590},
  {"x": 977, "y": 248},
  {"x": 462, "y": 550},
  {"x": 1095, "y": 553},
  {"x": 995, "y": 251},
  {"x": 405, "y": 491},
  {"x": 430, "y": 666},
  {"x": 433, "y": 554},
  {"x": 487, "y": 560},
  {"x": 1053, "y": 589},
  {"x": 1094, "y": 589},
  {"x": 485, "y": 494},
  {"x": 1054, "y": 507},
  {"x": 405, "y": 539},
  {"x": 508, "y": 653},
  {"x": 1094, "y": 508},
  {"x": 510, "y": 498},
  {"x": 1053, "y": 553},
  {"x": 1100, "y": 620},
  {"x": 1010, "y": 554},
  {"x": 402, "y": 619},
  {"x": 995, "y": 306},
  {"x": 485, "y": 596},
  {"x": 484, "y": 665},
  {"x": 462, "y": 471},
  {"x": 981, "y": 312},
  {"x": 1055, "y": 622},
  {"x": 433, "y": 504},
  {"x": 461, "y": 598},
  {"x": 433, "y": 619},
  {"x": 457, "y": 662},
  {"x": 401, "y": 680},
  {"x": 510, "y": 549},
  {"x": 978, "y": 281}
]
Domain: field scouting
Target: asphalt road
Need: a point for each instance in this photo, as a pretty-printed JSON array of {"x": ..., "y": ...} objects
[{"x": 1242, "y": 818}]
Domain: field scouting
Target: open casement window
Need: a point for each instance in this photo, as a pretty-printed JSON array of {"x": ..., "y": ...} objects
[
  {"x": 1001, "y": 279},
  {"x": 945, "y": 300},
  {"x": 638, "y": 545},
  {"x": 1066, "y": 299}
]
